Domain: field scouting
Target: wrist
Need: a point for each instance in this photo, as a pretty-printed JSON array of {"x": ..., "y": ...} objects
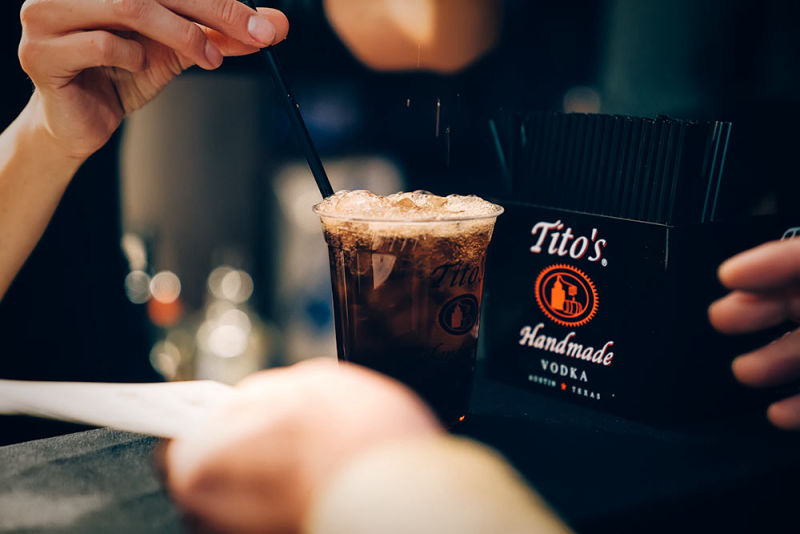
[{"x": 36, "y": 139}]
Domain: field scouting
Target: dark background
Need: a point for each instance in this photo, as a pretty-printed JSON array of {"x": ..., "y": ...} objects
[{"x": 66, "y": 316}]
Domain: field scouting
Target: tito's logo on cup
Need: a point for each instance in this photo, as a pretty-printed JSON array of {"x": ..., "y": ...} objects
[
  {"x": 459, "y": 315},
  {"x": 566, "y": 295}
]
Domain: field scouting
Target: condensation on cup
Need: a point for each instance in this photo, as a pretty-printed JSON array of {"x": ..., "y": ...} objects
[{"x": 407, "y": 273}]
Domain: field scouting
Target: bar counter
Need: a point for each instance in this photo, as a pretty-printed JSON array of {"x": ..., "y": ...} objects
[{"x": 601, "y": 473}]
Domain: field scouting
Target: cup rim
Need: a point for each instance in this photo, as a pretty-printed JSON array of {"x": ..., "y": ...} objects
[{"x": 450, "y": 219}]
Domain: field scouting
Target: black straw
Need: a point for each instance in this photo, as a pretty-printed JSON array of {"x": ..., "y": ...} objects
[
  {"x": 666, "y": 171},
  {"x": 295, "y": 118}
]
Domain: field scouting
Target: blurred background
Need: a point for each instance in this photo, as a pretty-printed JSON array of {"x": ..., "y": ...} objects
[{"x": 187, "y": 247}]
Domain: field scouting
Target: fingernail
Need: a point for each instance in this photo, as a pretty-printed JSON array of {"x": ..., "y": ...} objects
[
  {"x": 261, "y": 30},
  {"x": 213, "y": 55}
]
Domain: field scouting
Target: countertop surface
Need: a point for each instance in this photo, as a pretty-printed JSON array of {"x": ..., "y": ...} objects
[
  {"x": 601, "y": 473},
  {"x": 97, "y": 481}
]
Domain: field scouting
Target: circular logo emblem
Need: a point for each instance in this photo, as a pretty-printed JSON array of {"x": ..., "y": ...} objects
[
  {"x": 459, "y": 315},
  {"x": 566, "y": 295}
]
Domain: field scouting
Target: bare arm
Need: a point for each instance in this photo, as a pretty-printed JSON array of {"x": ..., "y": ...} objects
[
  {"x": 33, "y": 176},
  {"x": 427, "y": 486}
]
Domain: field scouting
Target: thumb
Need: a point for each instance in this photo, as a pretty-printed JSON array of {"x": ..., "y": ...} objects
[{"x": 231, "y": 47}]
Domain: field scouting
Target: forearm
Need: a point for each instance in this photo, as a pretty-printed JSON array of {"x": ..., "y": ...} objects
[
  {"x": 34, "y": 172},
  {"x": 430, "y": 485}
]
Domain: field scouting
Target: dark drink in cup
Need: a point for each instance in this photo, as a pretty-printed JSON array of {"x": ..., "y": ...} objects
[{"x": 407, "y": 273}]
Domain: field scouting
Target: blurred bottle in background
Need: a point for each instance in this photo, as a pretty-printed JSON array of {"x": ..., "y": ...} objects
[
  {"x": 231, "y": 339},
  {"x": 304, "y": 292},
  {"x": 225, "y": 340}
]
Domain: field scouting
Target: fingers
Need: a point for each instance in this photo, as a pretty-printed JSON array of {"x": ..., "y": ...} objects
[
  {"x": 147, "y": 17},
  {"x": 769, "y": 266},
  {"x": 740, "y": 312},
  {"x": 258, "y": 461},
  {"x": 277, "y": 19},
  {"x": 772, "y": 365},
  {"x": 766, "y": 292},
  {"x": 234, "y": 19},
  {"x": 786, "y": 413},
  {"x": 775, "y": 364},
  {"x": 229, "y": 17},
  {"x": 233, "y": 508},
  {"x": 65, "y": 56},
  {"x": 169, "y": 22},
  {"x": 239, "y": 471},
  {"x": 233, "y": 47},
  {"x": 236, "y": 488},
  {"x": 272, "y": 379}
]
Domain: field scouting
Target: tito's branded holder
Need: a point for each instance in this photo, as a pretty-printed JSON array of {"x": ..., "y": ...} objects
[{"x": 604, "y": 264}]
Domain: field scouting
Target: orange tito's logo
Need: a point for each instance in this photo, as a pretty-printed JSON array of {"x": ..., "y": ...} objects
[{"x": 566, "y": 295}]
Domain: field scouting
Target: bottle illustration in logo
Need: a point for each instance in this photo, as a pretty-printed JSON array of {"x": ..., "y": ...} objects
[
  {"x": 459, "y": 315},
  {"x": 564, "y": 300},
  {"x": 456, "y": 318},
  {"x": 566, "y": 295}
]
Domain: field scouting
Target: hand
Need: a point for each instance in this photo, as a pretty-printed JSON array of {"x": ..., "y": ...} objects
[
  {"x": 438, "y": 35},
  {"x": 256, "y": 465},
  {"x": 95, "y": 61},
  {"x": 765, "y": 284}
]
